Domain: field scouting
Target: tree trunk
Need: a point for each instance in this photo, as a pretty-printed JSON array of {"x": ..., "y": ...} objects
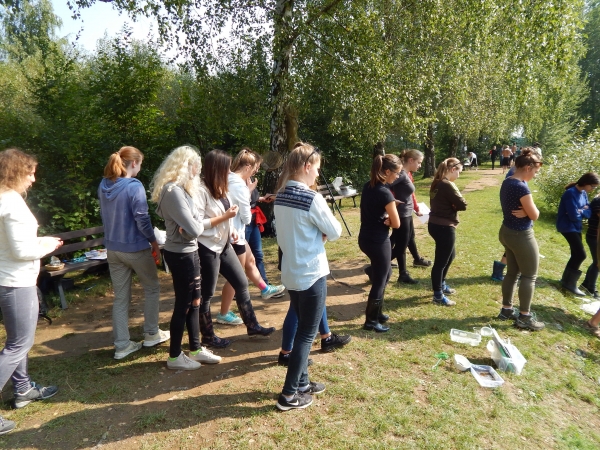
[
  {"x": 378, "y": 149},
  {"x": 429, "y": 156},
  {"x": 454, "y": 143},
  {"x": 283, "y": 42}
]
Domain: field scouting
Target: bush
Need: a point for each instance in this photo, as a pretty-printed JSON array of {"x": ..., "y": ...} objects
[{"x": 559, "y": 170}]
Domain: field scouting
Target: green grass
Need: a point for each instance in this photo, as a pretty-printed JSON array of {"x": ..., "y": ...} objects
[{"x": 381, "y": 391}]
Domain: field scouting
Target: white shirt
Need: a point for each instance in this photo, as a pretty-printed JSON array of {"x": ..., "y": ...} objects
[
  {"x": 20, "y": 247},
  {"x": 303, "y": 217},
  {"x": 240, "y": 196}
]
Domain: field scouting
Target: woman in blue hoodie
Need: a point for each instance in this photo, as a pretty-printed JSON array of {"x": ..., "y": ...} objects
[
  {"x": 130, "y": 242},
  {"x": 572, "y": 209}
]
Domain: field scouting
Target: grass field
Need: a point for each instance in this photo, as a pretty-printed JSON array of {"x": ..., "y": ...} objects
[{"x": 381, "y": 389}]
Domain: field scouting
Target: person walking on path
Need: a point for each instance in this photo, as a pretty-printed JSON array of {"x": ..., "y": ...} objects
[
  {"x": 572, "y": 209},
  {"x": 516, "y": 235},
  {"x": 20, "y": 253},
  {"x": 130, "y": 242},
  {"x": 446, "y": 201},
  {"x": 304, "y": 224},
  {"x": 506, "y": 154},
  {"x": 493, "y": 156},
  {"x": 378, "y": 213},
  {"x": 174, "y": 190}
]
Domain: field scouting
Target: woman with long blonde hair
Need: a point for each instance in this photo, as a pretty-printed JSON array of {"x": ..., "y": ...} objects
[
  {"x": 20, "y": 253},
  {"x": 129, "y": 240},
  {"x": 304, "y": 224},
  {"x": 174, "y": 190},
  {"x": 445, "y": 201}
]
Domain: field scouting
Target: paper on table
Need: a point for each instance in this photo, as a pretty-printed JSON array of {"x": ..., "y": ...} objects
[{"x": 423, "y": 209}]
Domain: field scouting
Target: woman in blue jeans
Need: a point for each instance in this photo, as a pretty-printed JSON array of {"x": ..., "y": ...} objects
[{"x": 305, "y": 222}]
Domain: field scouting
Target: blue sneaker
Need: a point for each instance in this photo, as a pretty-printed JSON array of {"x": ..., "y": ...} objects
[
  {"x": 444, "y": 301},
  {"x": 229, "y": 319},
  {"x": 271, "y": 291},
  {"x": 447, "y": 290}
]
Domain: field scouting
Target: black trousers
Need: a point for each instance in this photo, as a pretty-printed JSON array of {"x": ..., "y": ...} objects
[
  {"x": 577, "y": 250},
  {"x": 400, "y": 239},
  {"x": 380, "y": 255},
  {"x": 444, "y": 237}
]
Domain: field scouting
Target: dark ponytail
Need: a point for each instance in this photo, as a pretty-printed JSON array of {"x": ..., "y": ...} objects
[
  {"x": 380, "y": 165},
  {"x": 587, "y": 179}
]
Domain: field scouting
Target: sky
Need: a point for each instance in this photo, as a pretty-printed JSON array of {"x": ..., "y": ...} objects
[{"x": 101, "y": 18}]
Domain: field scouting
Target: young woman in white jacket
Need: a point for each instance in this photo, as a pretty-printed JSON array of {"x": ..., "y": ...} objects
[
  {"x": 245, "y": 164},
  {"x": 20, "y": 253},
  {"x": 216, "y": 253}
]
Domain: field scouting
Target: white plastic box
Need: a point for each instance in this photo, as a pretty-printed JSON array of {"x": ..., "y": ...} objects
[
  {"x": 513, "y": 364},
  {"x": 465, "y": 337},
  {"x": 486, "y": 376}
]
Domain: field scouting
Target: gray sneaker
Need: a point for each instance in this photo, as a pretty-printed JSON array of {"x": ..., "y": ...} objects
[
  {"x": 131, "y": 347},
  {"x": 35, "y": 392},
  {"x": 6, "y": 426},
  {"x": 529, "y": 323},
  {"x": 150, "y": 340}
]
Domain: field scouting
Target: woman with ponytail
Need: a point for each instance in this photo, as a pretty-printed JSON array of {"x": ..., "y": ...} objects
[
  {"x": 304, "y": 224},
  {"x": 573, "y": 207},
  {"x": 446, "y": 201},
  {"x": 377, "y": 214},
  {"x": 130, "y": 243},
  {"x": 404, "y": 192},
  {"x": 217, "y": 256}
]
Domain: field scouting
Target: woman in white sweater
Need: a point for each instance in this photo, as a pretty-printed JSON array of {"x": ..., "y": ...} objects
[
  {"x": 245, "y": 164},
  {"x": 216, "y": 253},
  {"x": 20, "y": 253}
]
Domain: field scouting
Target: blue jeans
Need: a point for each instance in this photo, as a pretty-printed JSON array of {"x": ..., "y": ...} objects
[
  {"x": 20, "y": 312},
  {"x": 290, "y": 325},
  {"x": 308, "y": 305},
  {"x": 254, "y": 240}
]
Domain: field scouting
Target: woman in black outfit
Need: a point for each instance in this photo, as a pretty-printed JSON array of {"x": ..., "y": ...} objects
[
  {"x": 403, "y": 190},
  {"x": 446, "y": 201},
  {"x": 377, "y": 213}
]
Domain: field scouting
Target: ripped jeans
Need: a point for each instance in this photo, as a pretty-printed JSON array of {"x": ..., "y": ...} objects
[{"x": 185, "y": 271}]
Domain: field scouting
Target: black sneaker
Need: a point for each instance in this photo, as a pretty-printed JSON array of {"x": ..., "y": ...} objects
[
  {"x": 299, "y": 401},
  {"x": 313, "y": 388},
  {"x": 508, "y": 314},
  {"x": 36, "y": 392},
  {"x": 334, "y": 341},
  {"x": 421, "y": 262},
  {"x": 260, "y": 331},
  {"x": 406, "y": 279},
  {"x": 284, "y": 360},
  {"x": 529, "y": 323},
  {"x": 6, "y": 426},
  {"x": 215, "y": 342}
]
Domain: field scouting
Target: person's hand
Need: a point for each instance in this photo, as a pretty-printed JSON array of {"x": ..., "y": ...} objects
[
  {"x": 251, "y": 184},
  {"x": 234, "y": 236},
  {"x": 58, "y": 243},
  {"x": 324, "y": 237},
  {"x": 418, "y": 213},
  {"x": 155, "y": 252},
  {"x": 180, "y": 230},
  {"x": 399, "y": 202},
  {"x": 231, "y": 212},
  {"x": 269, "y": 198},
  {"x": 586, "y": 207},
  {"x": 387, "y": 222},
  {"x": 519, "y": 213}
]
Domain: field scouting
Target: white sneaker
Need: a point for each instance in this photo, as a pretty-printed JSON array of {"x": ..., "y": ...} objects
[
  {"x": 183, "y": 363},
  {"x": 206, "y": 356},
  {"x": 131, "y": 347},
  {"x": 150, "y": 340}
]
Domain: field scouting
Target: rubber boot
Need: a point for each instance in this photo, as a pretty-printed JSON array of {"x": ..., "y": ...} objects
[
  {"x": 372, "y": 316},
  {"x": 589, "y": 283},
  {"x": 569, "y": 281},
  {"x": 249, "y": 317},
  {"x": 498, "y": 271},
  {"x": 208, "y": 335},
  {"x": 383, "y": 318}
]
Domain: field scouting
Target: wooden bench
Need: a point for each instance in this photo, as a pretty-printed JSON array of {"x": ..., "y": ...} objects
[
  {"x": 343, "y": 192},
  {"x": 84, "y": 240}
]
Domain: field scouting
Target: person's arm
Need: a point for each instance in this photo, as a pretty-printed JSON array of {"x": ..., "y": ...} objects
[
  {"x": 240, "y": 195},
  {"x": 453, "y": 194},
  {"x": 322, "y": 217},
  {"x": 529, "y": 207},
  {"x": 22, "y": 239},
  {"x": 572, "y": 205},
  {"x": 175, "y": 205},
  {"x": 393, "y": 216},
  {"x": 139, "y": 208}
]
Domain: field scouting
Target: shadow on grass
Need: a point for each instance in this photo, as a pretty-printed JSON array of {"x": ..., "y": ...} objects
[{"x": 110, "y": 424}]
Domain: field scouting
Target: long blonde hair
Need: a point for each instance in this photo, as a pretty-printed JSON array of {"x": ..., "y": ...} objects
[
  {"x": 178, "y": 168},
  {"x": 443, "y": 169},
  {"x": 300, "y": 155},
  {"x": 119, "y": 161},
  {"x": 15, "y": 166}
]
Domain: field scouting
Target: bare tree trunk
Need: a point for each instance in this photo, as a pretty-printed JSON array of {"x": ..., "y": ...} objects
[
  {"x": 454, "y": 143},
  {"x": 429, "y": 156},
  {"x": 378, "y": 149}
]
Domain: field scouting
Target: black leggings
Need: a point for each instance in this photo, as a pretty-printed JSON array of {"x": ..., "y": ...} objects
[
  {"x": 227, "y": 264},
  {"x": 577, "y": 250},
  {"x": 400, "y": 239},
  {"x": 444, "y": 237},
  {"x": 185, "y": 271},
  {"x": 380, "y": 255}
]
